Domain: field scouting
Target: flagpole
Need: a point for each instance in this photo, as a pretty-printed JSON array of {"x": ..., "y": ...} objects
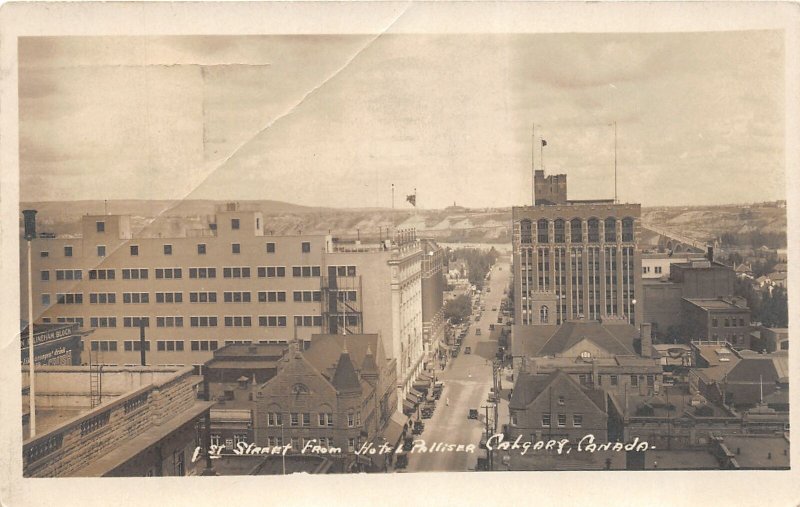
[
  {"x": 533, "y": 162},
  {"x": 615, "y": 162},
  {"x": 541, "y": 154}
]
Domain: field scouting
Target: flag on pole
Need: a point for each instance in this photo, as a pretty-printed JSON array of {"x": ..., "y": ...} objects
[
  {"x": 544, "y": 143},
  {"x": 412, "y": 199}
]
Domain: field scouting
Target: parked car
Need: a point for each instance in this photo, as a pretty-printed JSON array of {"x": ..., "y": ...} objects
[
  {"x": 473, "y": 413},
  {"x": 401, "y": 461},
  {"x": 478, "y": 332},
  {"x": 494, "y": 309},
  {"x": 467, "y": 350}
]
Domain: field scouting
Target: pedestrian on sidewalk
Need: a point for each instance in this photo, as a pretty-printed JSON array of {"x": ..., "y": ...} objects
[{"x": 447, "y": 402}]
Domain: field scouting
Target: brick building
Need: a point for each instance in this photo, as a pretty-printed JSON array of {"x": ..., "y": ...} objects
[
  {"x": 555, "y": 406},
  {"x": 145, "y": 421},
  {"x": 434, "y": 268},
  {"x": 611, "y": 355},
  {"x": 327, "y": 396},
  {"x": 661, "y": 300},
  {"x": 723, "y": 319}
]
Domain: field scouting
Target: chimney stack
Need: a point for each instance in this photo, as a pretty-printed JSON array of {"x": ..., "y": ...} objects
[{"x": 646, "y": 334}]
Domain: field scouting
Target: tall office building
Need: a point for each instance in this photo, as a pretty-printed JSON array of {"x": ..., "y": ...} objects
[{"x": 574, "y": 260}]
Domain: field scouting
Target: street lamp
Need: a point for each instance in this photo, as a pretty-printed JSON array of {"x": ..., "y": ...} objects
[{"x": 29, "y": 219}]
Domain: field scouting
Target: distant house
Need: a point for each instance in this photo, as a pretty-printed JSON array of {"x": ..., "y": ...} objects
[
  {"x": 777, "y": 279},
  {"x": 743, "y": 271},
  {"x": 775, "y": 338},
  {"x": 763, "y": 282}
]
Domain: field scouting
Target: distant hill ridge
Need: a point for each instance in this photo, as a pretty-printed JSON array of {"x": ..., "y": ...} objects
[{"x": 452, "y": 224}]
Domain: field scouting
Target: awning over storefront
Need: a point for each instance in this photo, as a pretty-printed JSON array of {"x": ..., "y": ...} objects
[
  {"x": 416, "y": 395},
  {"x": 424, "y": 377},
  {"x": 394, "y": 428},
  {"x": 408, "y": 406}
]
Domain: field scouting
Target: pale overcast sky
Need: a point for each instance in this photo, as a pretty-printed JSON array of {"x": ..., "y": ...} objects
[{"x": 335, "y": 120}]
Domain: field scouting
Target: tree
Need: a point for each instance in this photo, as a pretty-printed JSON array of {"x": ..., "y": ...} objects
[
  {"x": 478, "y": 263},
  {"x": 774, "y": 311},
  {"x": 458, "y": 310}
]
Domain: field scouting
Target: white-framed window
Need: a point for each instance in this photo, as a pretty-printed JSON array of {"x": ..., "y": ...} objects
[{"x": 274, "y": 419}]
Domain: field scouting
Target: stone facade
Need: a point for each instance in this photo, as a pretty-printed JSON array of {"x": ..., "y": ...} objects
[
  {"x": 84, "y": 446},
  {"x": 585, "y": 255}
]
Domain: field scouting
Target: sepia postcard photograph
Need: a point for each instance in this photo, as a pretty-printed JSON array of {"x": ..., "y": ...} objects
[{"x": 403, "y": 246}]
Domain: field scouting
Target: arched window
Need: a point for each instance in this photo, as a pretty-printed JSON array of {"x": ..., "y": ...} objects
[
  {"x": 627, "y": 229},
  {"x": 594, "y": 230},
  {"x": 542, "y": 232},
  {"x": 611, "y": 230},
  {"x": 543, "y": 314},
  {"x": 525, "y": 231},
  {"x": 576, "y": 230},
  {"x": 559, "y": 230}
]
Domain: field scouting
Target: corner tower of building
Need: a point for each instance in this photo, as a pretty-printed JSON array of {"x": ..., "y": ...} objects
[{"x": 549, "y": 189}]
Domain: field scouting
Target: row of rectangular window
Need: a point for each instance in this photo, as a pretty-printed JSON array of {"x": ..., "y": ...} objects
[
  {"x": 171, "y": 345},
  {"x": 342, "y": 270},
  {"x": 577, "y": 420},
  {"x": 167, "y": 249},
  {"x": 299, "y": 419},
  {"x": 66, "y": 298},
  {"x": 176, "y": 273},
  {"x": 727, "y": 322},
  {"x": 308, "y": 320},
  {"x": 210, "y": 321},
  {"x": 194, "y": 297}
]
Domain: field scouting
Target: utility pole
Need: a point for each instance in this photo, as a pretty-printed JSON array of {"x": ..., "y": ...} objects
[{"x": 488, "y": 451}]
